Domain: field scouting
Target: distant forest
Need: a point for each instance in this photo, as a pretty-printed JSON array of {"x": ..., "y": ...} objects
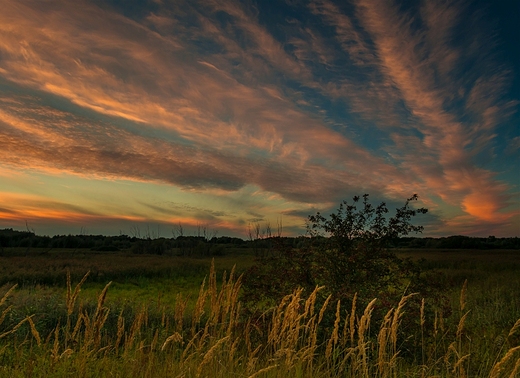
[{"x": 205, "y": 245}]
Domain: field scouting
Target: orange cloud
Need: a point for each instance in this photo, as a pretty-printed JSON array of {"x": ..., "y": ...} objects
[{"x": 138, "y": 100}]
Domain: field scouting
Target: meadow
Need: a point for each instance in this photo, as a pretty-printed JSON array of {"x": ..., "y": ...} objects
[{"x": 170, "y": 316}]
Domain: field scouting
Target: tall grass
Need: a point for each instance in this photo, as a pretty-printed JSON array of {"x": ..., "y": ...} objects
[{"x": 213, "y": 339}]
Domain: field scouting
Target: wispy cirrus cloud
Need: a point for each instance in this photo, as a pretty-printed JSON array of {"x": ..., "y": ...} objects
[
  {"x": 249, "y": 117},
  {"x": 210, "y": 97},
  {"x": 419, "y": 63}
]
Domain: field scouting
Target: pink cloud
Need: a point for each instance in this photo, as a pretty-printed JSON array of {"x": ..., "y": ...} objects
[
  {"x": 445, "y": 138},
  {"x": 221, "y": 121}
]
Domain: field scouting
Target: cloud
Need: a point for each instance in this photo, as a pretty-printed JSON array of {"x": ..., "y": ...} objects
[
  {"x": 513, "y": 147},
  {"x": 416, "y": 61},
  {"x": 338, "y": 99},
  {"x": 225, "y": 136},
  {"x": 350, "y": 38}
]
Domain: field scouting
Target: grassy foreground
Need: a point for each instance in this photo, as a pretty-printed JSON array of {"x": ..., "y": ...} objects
[{"x": 208, "y": 337}]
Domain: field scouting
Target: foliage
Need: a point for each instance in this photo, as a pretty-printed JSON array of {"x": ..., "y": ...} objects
[
  {"x": 261, "y": 241},
  {"x": 355, "y": 257},
  {"x": 212, "y": 339},
  {"x": 348, "y": 254}
]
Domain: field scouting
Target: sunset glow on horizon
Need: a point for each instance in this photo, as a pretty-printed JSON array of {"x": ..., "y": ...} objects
[{"x": 118, "y": 115}]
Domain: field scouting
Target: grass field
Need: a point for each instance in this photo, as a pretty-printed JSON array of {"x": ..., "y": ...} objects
[{"x": 155, "y": 319}]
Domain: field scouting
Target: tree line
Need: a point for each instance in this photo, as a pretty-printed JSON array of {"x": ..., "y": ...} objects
[{"x": 205, "y": 245}]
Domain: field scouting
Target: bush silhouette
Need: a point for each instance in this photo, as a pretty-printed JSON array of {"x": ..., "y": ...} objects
[{"x": 349, "y": 254}]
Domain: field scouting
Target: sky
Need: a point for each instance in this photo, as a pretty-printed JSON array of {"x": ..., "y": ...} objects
[{"x": 121, "y": 117}]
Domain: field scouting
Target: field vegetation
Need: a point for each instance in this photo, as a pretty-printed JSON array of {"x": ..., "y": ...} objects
[
  {"x": 267, "y": 311},
  {"x": 157, "y": 320}
]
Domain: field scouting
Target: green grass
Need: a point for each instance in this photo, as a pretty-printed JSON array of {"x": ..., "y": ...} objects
[{"x": 153, "y": 320}]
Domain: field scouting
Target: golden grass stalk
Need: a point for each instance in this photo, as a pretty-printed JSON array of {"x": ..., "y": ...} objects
[
  {"x": 55, "y": 353},
  {"x": 463, "y": 296},
  {"x": 212, "y": 285},
  {"x": 252, "y": 359},
  {"x": 199, "y": 308},
  {"x": 289, "y": 344},
  {"x": 6, "y": 295},
  {"x": 310, "y": 303},
  {"x": 175, "y": 338},
  {"x": 101, "y": 301},
  {"x": 333, "y": 340},
  {"x": 155, "y": 340},
  {"x": 209, "y": 354},
  {"x": 460, "y": 326},
  {"x": 34, "y": 331},
  {"x": 457, "y": 367},
  {"x": 311, "y": 327},
  {"x": 191, "y": 343},
  {"x": 262, "y": 371},
  {"x": 352, "y": 319},
  {"x": 180, "y": 309},
  {"x": 77, "y": 327},
  {"x": 135, "y": 328},
  {"x": 498, "y": 367},
  {"x": 513, "y": 330},
  {"x": 4, "y": 313},
  {"x": 73, "y": 295},
  {"x": 120, "y": 331},
  {"x": 364, "y": 327},
  {"x": 423, "y": 321},
  {"x": 233, "y": 351},
  {"x": 323, "y": 308},
  {"x": 396, "y": 320},
  {"x": 101, "y": 314},
  {"x": 516, "y": 370},
  {"x": 70, "y": 303},
  {"x": 382, "y": 343},
  {"x": 2, "y": 350},
  {"x": 6, "y": 310},
  {"x": 15, "y": 328},
  {"x": 66, "y": 353}
]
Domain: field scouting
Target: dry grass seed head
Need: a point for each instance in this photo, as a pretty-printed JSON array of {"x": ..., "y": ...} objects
[
  {"x": 364, "y": 322},
  {"x": 382, "y": 338},
  {"x": 72, "y": 296},
  {"x": 323, "y": 308},
  {"x": 7, "y": 294},
  {"x": 262, "y": 371},
  {"x": 497, "y": 368},
  {"x": 199, "y": 306},
  {"x": 516, "y": 369},
  {"x": 15, "y": 328},
  {"x": 458, "y": 365},
  {"x": 463, "y": 296},
  {"x": 333, "y": 340},
  {"x": 398, "y": 313},
  {"x": 423, "y": 318},
  {"x": 191, "y": 343},
  {"x": 209, "y": 354},
  {"x": 4, "y": 313},
  {"x": 512, "y": 331},
  {"x": 460, "y": 326},
  {"x": 352, "y": 319},
  {"x": 34, "y": 331},
  {"x": 77, "y": 327},
  {"x": 310, "y": 303},
  {"x": 136, "y": 327},
  {"x": 8, "y": 309},
  {"x": 179, "y": 311},
  {"x": 175, "y": 338},
  {"x": 56, "y": 345},
  {"x": 101, "y": 302}
]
